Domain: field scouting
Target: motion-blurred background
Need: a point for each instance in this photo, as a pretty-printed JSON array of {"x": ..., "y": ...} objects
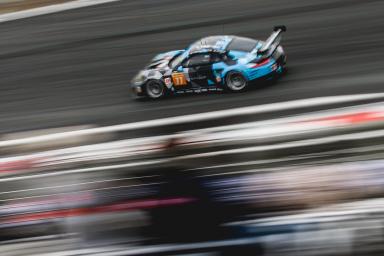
[{"x": 291, "y": 168}]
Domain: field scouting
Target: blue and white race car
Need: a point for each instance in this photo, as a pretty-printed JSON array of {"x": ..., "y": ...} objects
[{"x": 213, "y": 63}]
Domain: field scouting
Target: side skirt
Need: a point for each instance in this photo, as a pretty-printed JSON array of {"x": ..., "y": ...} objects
[{"x": 198, "y": 90}]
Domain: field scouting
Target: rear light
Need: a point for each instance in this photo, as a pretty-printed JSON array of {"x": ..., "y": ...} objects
[{"x": 259, "y": 63}]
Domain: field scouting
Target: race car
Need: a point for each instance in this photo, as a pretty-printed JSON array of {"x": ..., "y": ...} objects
[{"x": 214, "y": 63}]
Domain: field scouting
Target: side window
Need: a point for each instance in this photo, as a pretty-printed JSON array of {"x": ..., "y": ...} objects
[
  {"x": 216, "y": 57},
  {"x": 198, "y": 60}
]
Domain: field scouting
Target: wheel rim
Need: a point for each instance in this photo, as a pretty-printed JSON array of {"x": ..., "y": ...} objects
[
  {"x": 154, "y": 89},
  {"x": 236, "y": 82}
]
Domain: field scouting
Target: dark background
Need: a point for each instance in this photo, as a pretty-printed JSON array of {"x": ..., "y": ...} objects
[{"x": 74, "y": 67}]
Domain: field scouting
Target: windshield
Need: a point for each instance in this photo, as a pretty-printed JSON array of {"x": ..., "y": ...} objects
[
  {"x": 176, "y": 61},
  {"x": 207, "y": 42}
]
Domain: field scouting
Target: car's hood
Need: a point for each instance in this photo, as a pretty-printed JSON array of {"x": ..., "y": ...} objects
[
  {"x": 156, "y": 68},
  {"x": 161, "y": 60}
]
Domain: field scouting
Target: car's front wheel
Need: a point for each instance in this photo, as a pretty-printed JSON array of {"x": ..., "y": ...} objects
[
  {"x": 154, "y": 89},
  {"x": 235, "y": 81}
]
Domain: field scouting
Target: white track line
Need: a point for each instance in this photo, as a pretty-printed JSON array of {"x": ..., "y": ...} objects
[
  {"x": 51, "y": 9},
  {"x": 303, "y": 103},
  {"x": 287, "y": 145},
  {"x": 81, "y": 170},
  {"x": 350, "y": 208},
  {"x": 79, "y": 191},
  {"x": 72, "y": 185}
]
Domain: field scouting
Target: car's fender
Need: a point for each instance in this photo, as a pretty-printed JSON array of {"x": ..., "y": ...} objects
[
  {"x": 237, "y": 68},
  {"x": 221, "y": 69}
]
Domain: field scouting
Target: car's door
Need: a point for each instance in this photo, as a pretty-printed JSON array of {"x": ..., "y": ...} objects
[{"x": 199, "y": 70}]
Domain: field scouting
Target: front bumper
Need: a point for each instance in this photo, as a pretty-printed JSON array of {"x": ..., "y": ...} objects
[{"x": 137, "y": 90}]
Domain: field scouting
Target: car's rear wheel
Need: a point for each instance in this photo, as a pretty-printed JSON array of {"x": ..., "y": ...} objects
[
  {"x": 154, "y": 89},
  {"x": 235, "y": 81}
]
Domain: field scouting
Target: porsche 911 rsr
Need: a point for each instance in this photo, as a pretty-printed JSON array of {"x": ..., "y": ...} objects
[{"x": 213, "y": 63}]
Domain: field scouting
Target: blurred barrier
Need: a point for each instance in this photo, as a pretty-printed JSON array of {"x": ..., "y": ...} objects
[
  {"x": 58, "y": 143},
  {"x": 194, "y": 118},
  {"x": 357, "y": 123}
]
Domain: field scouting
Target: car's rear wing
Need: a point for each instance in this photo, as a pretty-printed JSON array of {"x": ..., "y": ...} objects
[{"x": 273, "y": 40}]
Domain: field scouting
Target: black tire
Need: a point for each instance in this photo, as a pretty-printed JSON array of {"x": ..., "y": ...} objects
[
  {"x": 154, "y": 89},
  {"x": 235, "y": 81}
]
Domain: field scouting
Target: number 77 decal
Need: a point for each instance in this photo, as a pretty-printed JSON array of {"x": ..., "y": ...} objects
[{"x": 179, "y": 79}]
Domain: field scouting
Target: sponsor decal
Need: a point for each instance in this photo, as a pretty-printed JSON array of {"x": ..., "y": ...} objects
[
  {"x": 179, "y": 79},
  {"x": 168, "y": 81}
]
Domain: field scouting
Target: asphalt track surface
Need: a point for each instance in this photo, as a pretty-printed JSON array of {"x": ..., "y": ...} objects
[{"x": 73, "y": 67}]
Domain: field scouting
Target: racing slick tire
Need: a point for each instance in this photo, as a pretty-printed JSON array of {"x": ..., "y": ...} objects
[
  {"x": 235, "y": 81},
  {"x": 154, "y": 89}
]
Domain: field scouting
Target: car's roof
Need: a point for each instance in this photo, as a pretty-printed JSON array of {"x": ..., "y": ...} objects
[
  {"x": 222, "y": 43},
  {"x": 218, "y": 43}
]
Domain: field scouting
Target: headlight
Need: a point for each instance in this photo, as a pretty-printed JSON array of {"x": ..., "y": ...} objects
[{"x": 139, "y": 78}]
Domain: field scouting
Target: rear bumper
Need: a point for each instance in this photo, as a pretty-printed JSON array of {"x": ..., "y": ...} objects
[
  {"x": 274, "y": 68},
  {"x": 264, "y": 72}
]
